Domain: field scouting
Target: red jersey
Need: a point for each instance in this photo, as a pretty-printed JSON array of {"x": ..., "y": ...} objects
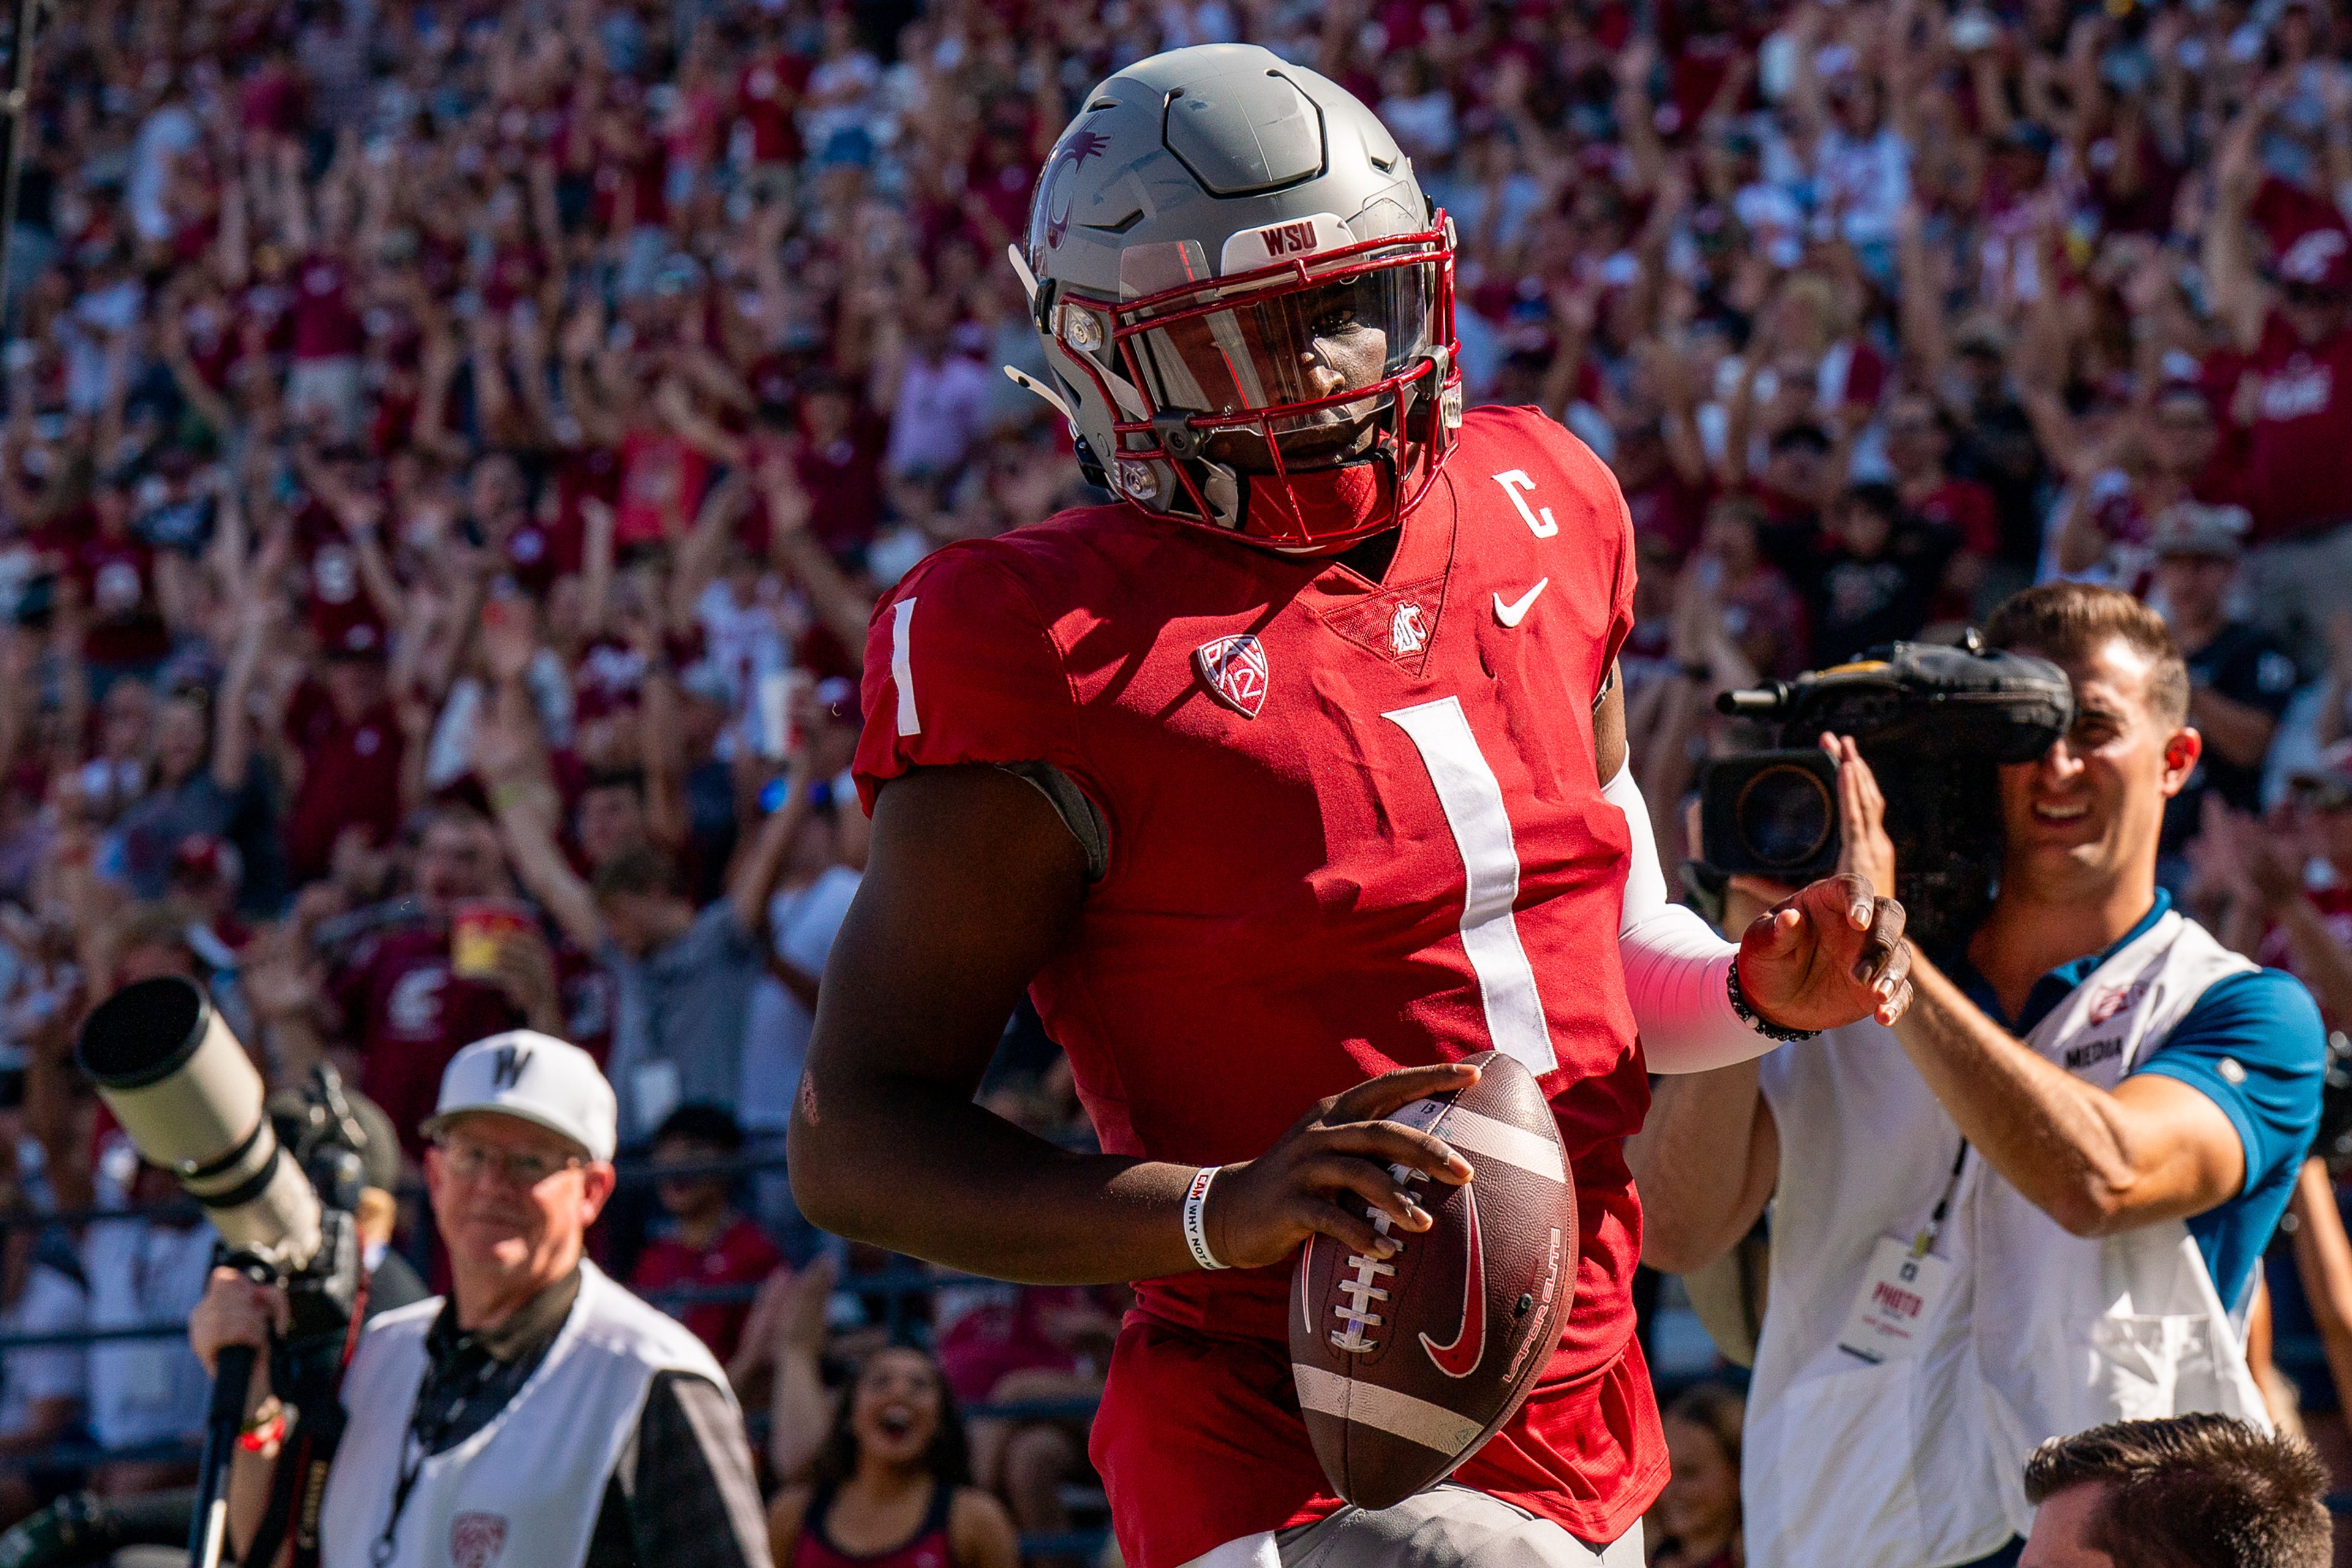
[
  {"x": 350, "y": 778},
  {"x": 409, "y": 1015},
  {"x": 2297, "y": 480},
  {"x": 325, "y": 324},
  {"x": 765, "y": 96},
  {"x": 1352, "y": 826},
  {"x": 2334, "y": 905},
  {"x": 741, "y": 1255},
  {"x": 118, "y": 584}
]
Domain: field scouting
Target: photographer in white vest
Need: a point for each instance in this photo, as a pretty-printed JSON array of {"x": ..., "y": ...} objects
[
  {"x": 2038, "y": 1203},
  {"x": 541, "y": 1417}
]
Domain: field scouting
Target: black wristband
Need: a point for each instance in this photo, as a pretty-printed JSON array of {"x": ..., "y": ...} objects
[{"x": 1754, "y": 1019}]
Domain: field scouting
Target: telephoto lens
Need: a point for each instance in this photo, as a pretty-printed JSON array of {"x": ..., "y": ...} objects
[{"x": 188, "y": 1095}]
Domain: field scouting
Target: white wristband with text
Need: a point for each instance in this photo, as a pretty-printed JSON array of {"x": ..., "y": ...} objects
[{"x": 1196, "y": 1206}]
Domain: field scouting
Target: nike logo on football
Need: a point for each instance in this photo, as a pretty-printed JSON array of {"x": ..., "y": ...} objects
[
  {"x": 1461, "y": 1358},
  {"x": 1512, "y": 614}
]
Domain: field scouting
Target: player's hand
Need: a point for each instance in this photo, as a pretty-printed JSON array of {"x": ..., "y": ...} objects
[
  {"x": 1832, "y": 955},
  {"x": 1321, "y": 1175},
  {"x": 1834, "y": 952}
]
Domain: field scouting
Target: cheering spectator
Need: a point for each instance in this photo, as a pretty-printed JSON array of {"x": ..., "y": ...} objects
[
  {"x": 1695, "y": 1523},
  {"x": 2240, "y": 680},
  {"x": 704, "y": 1243},
  {"x": 892, "y": 1480},
  {"x": 684, "y": 977}
]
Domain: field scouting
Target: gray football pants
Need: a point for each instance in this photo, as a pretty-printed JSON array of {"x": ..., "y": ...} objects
[{"x": 1448, "y": 1526}]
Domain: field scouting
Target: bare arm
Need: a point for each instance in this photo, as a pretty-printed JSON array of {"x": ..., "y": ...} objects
[
  {"x": 2240, "y": 731},
  {"x": 506, "y": 755},
  {"x": 232, "y": 723},
  {"x": 2238, "y": 296},
  {"x": 981, "y": 1531},
  {"x": 1706, "y": 1161},
  {"x": 2323, "y": 1260},
  {"x": 840, "y": 604},
  {"x": 972, "y": 884},
  {"x": 2098, "y": 1162},
  {"x": 754, "y": 873}
]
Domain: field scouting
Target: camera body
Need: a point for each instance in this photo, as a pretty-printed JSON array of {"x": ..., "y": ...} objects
[{"x": 1935, "y": 723}]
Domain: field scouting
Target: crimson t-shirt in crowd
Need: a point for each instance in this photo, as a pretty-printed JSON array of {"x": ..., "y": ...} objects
[
  {"x": 2285, "y": 212},
  {"x": 341, "y": 613},
  {"x": 661, "y": 479},
  {"x": 529, "y": 553},
  {"x": 269, "y": 304},
  {"x": 350, "y": 776},
  {"x": 516, "y": 270},
  {"x": 325, "y": 325},
  {"x": 117, "y": 582},
  {"x": 1966, "y": 507},
  {"x": 765, "y": 97},
  {"x": 2297, "y": 480},
  {"x": 409, "y": 1013},
  {"x": 2334, "y": 905},
  {"x": 646, "y": 172},
  {"x": 1670, "y": 508},
  {"x": 843, "y": 481},
  {"x": 741, "y": 1255}
]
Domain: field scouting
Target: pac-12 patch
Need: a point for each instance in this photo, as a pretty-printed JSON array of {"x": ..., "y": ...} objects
[
  {"x": 477, "y": 1540},
  {"x": 1234, "y": 669}
]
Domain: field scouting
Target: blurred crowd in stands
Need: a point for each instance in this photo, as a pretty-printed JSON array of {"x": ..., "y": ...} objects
[{"x": 449, "y": 449}]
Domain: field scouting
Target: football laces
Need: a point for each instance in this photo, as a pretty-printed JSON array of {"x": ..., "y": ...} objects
[{"x": 1361, "y": 1286}]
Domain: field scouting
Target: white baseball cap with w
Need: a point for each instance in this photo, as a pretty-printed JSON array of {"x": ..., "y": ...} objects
[{"x": 537, "y": 1078}]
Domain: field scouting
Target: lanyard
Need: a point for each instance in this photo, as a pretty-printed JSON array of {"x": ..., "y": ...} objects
[
  {"x": 423, "y": 1435},
  {"x": 1927, "y": 1237}
]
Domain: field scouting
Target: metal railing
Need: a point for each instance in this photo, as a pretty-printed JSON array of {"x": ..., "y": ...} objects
[{"x": 897, "y": 1284}]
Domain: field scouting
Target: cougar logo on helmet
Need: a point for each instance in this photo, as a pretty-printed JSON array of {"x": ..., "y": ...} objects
[{"x": 1081, "y": 146}]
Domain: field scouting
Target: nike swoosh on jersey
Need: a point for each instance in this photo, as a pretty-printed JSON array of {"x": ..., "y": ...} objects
[
  {"x": 1512, "y": 614},
  {"x": 1461, "y": 1358}
]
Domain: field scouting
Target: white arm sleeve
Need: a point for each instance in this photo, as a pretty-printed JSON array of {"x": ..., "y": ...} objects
[{"x": 1677, "y": 968}]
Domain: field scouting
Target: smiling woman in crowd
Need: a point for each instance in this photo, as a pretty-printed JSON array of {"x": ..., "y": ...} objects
[{"x": 891, "y": 1487}]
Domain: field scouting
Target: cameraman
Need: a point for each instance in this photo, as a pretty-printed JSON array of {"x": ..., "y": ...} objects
[
  {"x": 2040, "y": 1205},
  {"x": 541, "y": 1416}
]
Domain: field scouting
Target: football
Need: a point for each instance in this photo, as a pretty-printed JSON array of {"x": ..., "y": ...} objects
[{"x": 1405, "y": 1365}]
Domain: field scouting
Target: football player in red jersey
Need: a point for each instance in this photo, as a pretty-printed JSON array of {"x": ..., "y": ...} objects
[{"x": 1282, "y": 784}]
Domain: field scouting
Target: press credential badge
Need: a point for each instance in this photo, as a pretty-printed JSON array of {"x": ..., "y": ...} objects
[{"x": 1899, "y": 1299}]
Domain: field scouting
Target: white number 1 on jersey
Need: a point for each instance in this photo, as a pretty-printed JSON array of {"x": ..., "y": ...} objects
[{"x": 1472, "y": 802}]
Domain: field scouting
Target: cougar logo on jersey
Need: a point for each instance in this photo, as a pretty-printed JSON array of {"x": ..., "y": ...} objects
[
  {"x": 1407, "y": 634},
  {"x": 1234, "y": 669},
  {"x": 476, "y": 1540}
]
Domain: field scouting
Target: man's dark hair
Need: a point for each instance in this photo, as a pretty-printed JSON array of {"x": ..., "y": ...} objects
[
  {"x": 701, "y": 1122},
  {"x": 641, "y": 868},
  {"x": 2067, "y": 621},
  {"x": 1800, "y": 435},
  {"x": 2193, "y": 1491}
]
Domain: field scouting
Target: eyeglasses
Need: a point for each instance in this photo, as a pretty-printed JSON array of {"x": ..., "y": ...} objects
[{"x": 468, "y": 1160}]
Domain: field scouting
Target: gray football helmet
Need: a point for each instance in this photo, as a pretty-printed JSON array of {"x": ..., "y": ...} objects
[{"x": 1245, "y": 298}]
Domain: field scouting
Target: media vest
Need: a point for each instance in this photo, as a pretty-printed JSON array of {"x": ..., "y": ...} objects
[
  {"x": 524, "y": 1491},
  {"x": 1919, "y": 1461}
]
